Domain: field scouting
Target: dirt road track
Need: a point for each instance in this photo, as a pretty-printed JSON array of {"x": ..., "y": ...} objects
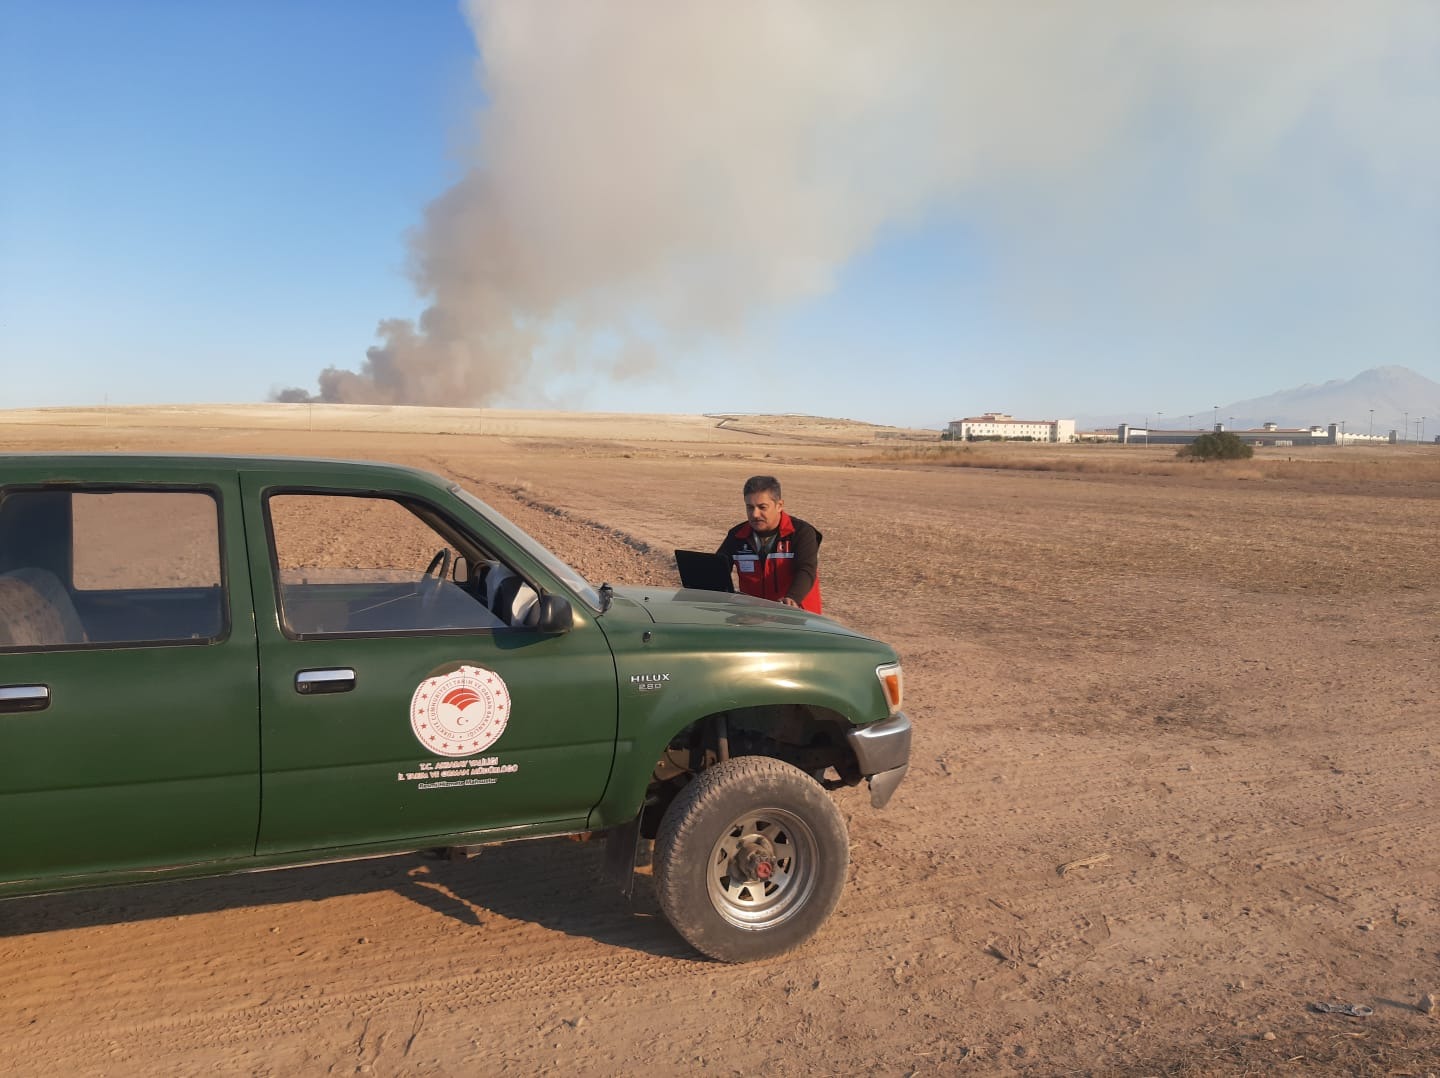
[{"x": 1215, "y": 700}]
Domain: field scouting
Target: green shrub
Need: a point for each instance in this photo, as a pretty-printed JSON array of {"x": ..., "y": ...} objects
[{"x": 1219, "y": 445}]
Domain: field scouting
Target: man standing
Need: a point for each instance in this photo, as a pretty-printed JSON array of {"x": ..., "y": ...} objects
[{"x": 775, "y": 555}]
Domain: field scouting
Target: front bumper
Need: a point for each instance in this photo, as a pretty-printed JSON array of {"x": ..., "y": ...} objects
[{"x": 882, "y": 750}]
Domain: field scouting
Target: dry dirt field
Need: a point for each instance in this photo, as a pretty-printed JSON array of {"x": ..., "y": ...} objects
[{"x": 1176, "y": 779}]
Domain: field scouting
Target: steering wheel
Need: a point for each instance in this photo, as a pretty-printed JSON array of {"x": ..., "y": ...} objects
[
  {"x": 430, "y": 589},
  {"x": 439, "y": 566}
]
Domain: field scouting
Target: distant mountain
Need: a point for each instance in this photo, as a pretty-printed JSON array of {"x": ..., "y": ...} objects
[{"x": 1390, "y": 391}]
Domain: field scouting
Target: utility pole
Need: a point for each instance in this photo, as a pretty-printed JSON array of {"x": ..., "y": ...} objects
[
  {"x": 1372, "y": 422},
  {"x": 1405, "y": 430},
  {"x": 1217, "y": 415}
]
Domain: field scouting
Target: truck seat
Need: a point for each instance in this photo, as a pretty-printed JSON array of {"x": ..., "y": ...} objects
[
  {"x": 36, "y": 611},
  {"x": 508, "y": 596}
]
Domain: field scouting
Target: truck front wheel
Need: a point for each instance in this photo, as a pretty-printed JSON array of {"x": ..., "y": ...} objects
[{"x": 750, "y": 859}]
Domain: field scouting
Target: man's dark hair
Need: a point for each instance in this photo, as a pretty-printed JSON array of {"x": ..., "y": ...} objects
[{"x": 762, "y": 484}]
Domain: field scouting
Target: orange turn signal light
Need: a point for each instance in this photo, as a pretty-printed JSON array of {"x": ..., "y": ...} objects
[{"x": 892, "y": 681}]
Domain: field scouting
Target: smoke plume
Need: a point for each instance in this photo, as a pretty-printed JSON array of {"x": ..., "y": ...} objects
[{"x": 649, "y": 173}]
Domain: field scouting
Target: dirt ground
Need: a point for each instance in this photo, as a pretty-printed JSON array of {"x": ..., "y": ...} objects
[{"x": 1174, "y": 782}]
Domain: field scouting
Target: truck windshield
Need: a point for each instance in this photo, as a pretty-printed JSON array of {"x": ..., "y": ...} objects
[{"x": 572, "y": 579}]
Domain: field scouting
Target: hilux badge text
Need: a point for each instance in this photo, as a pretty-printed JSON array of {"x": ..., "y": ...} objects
[{"x": 649, "y": 682}]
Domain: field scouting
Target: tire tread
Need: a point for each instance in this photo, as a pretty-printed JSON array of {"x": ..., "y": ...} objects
[{"x": 755, "y": 779}]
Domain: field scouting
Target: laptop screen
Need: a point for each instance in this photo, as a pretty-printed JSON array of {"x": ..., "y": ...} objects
[{"x": 703, "y": 570}]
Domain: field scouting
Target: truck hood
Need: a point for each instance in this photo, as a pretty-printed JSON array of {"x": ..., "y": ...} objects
[{"x": 686, "y": 606}]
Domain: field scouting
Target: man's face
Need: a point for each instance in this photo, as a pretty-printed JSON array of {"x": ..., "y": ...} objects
[{"x": 763, "y": 511}]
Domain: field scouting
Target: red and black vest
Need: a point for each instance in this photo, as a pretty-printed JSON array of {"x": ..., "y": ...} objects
[{"x": 772, "y": 575}]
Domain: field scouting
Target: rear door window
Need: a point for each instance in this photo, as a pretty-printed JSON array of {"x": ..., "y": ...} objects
[{"x": 102, "y": 567}]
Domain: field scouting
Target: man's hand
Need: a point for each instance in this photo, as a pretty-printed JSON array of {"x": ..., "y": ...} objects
[{"x": 789, "y": 601}]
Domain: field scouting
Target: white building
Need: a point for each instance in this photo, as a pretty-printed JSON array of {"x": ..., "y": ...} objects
[{"x": 1008, "y": 428}]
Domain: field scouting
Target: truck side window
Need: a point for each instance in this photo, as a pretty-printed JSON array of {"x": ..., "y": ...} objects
[
  {"x": 350, "y": 564},
  {"x": 131, "y": 567}
]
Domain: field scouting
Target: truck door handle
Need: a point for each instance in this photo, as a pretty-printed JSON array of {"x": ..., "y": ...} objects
[
  {"x": 316, "y": 682},
  {"x": 17, "y": 698}
]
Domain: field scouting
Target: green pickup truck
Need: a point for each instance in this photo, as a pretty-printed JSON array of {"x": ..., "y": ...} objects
[{"x": 220, "y": 664}]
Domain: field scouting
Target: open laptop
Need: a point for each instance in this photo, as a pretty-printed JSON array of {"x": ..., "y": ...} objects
[{"x": 703, "y": 570}]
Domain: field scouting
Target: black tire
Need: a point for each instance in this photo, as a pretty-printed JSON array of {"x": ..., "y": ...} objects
[{"x": 750, "y": 859}]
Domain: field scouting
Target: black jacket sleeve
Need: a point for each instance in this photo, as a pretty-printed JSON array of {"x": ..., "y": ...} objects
[{"x": 805, "y": 544}]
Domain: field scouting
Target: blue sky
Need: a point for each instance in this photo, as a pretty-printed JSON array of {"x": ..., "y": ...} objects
[
  {"x": 908, "y": 221},
  {"x": 198, "y": 202}
]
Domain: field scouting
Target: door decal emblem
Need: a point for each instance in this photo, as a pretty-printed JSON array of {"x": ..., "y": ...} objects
[{"x": 460, "y": 713}]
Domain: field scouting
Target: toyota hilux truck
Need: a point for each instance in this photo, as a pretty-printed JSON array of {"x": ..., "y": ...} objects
[{"x": 222, "y": 664}]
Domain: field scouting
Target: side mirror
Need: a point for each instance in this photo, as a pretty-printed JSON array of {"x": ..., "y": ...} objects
[{"x": 553, "y": 614}]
